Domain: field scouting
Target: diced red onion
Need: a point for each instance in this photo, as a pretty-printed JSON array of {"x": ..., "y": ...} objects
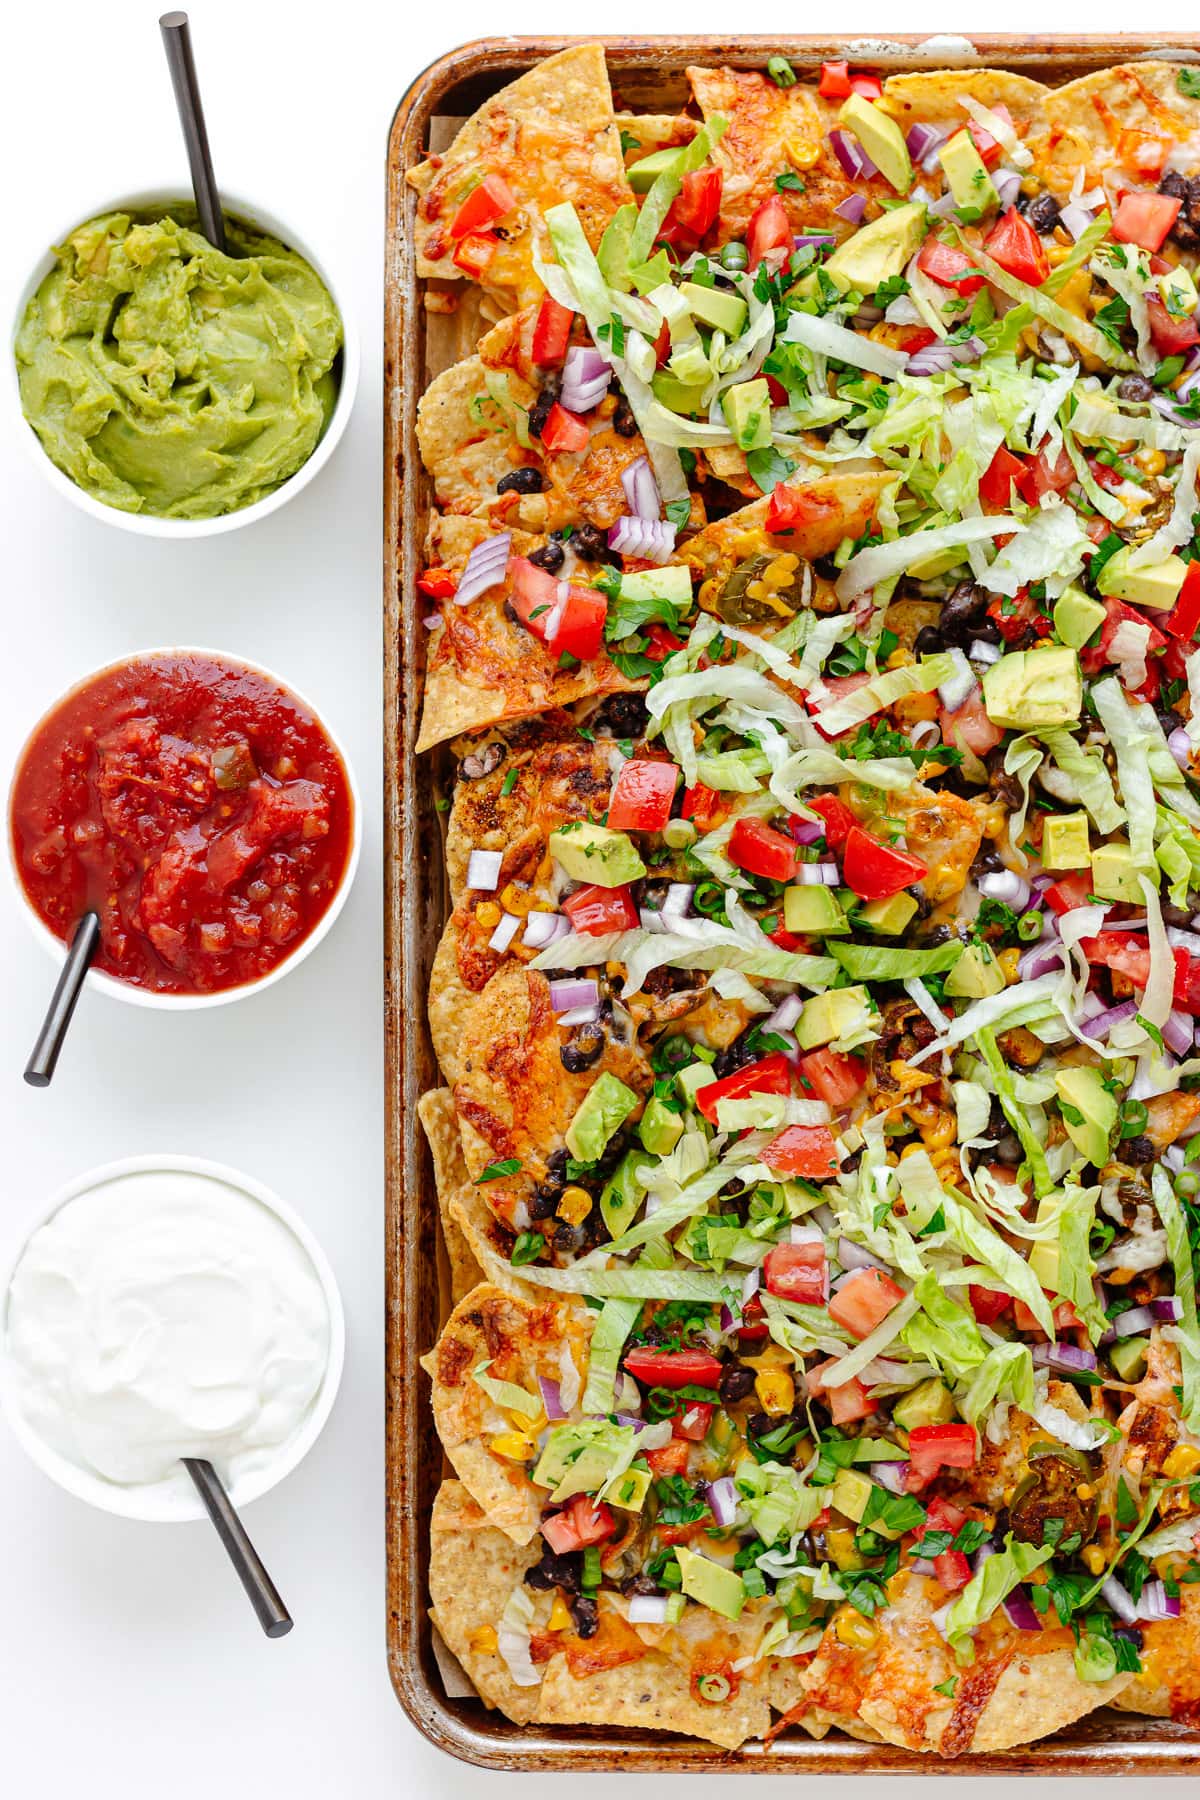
[
  {"x": 722, "y": 1498},
  {"x": 790, "y": 1047},
  {"x": 806, "y": 831},
  {"x": 785, "y": 1014},
  {"x": 1172, "y": 412},
  {"x": 853, "y": 1256},
  {"x": 981, "y": 652},
  {"x": 853, "y": 158},
  {"x": 751, "y": 1284},
  {"x": 1018, "y": 1610},
  {"x": 652, "y": 539},
  {"x": 552, "y": 1398},
  {"x": 483, "y": 870},
  {"x": 934, "y": 359},
  {"x": 890, "y": 1475},
  {"x": 958, "y": 689},
  {"x": 1156, "y": 1604},
  {"x": 818, "y": 874},
  {"x": 641, "y": 489},
  {"x": 1008, "y": 186},
  {"x": 921, "y": 1565},
  {"x": 542, "y": 928},
  {"x": 981, "y": 1556},
  {"x": 585, "y": 380},
  {"x": 1099, "y": 1024},
  {"x": 1040, "y": 960},
  {"x": 1070, "y": 1359},
  {"x": 1173, "y": 1157},
  {"x": 1180, "y": 746},
  {"x": 1135, "y": 1321},
  {"x": 814, "y": 240},
  {"x": 1179, "y": 1032},
  {"x": 943, "y": 206},
  {"x": 678, "y": 903},
  {"x": 1180, "y": 939},
  {"x": 923, "y": 139},
  {"x": 924, "y": 734},
  {"x": 430, "y": 620},
  {"x": 903, "y": 311},
  {"x": 1167, "y": 1310},
  {"x": 852, "y": 208},
  {"x": 579, "y": 1015},
  {"x": 648, "y": 1609},
  {"x": 1076, "y": 219},
  {"x": 573, "y": 991},
  {"x": 726, "y": 1317},
  {"x": 505, "y": 932},
  {"x": 806, "y": 1234},
  {"x": 1005, "y": 885},
  {"x": 651, "y": 919},
  {"x": 867, "y": 316},
  {"x": 485, "y": 568}
]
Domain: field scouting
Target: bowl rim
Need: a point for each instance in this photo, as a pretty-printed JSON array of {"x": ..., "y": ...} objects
[
  {"x": 137, "y": 1502},
  {"x": 260, "y": 218},
  {"x": 126, "y": 990}
]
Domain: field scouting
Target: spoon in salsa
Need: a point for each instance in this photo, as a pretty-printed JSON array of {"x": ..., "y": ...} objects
[
  {"x": 39, "y": 1070},
  {"x": 177, "y": 40}
]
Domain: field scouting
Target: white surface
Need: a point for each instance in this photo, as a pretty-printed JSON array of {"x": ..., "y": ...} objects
[{"x": 131, "y": 1665}]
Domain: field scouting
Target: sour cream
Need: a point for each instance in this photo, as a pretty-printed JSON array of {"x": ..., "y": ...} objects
[{"x": 163, "y": 1314}]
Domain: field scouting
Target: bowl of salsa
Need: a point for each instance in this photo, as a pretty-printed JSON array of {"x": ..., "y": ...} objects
[{"x": 202, "y": 808}]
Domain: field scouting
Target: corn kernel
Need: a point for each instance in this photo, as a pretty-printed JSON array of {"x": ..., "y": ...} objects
[
  {"x": 514, "y": 1445},
  {"x": 487, "y": 914},
  {"x": 1085, "y": 1490},
  {"x": 516, "y": 899},
  {"x": 802, "y": 153},
  {"x": 523, "y": 1423},
  {"x": 1093, "y": 1556},
  {"x": 1119, "y": 1277},
  {"x": 776, "y": 1391},
  {"x": 484, "y": 1640},
  {"x": 560, "y": 1618},
  {"x": 575, "y": 1205},
  {"x": 853, "y": 1630},
  {"x": 1183, "y": 1460},
  {"x": 1150, "y": 460},
  {"x": 1008, "y": 960},
  {"x": 773, "y": 1356},
  {"x": 900, "y": 659}
]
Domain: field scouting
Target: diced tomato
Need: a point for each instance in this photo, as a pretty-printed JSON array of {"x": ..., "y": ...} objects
[
  {"x": 673, "y": 1368},
  {"x": 934, "y": 1447},
  {"x": 990, "y": 150},
  {"x": 791, "y": 509},
  {"x": 1117, "y": 613},
  {"x": 1003, "y": 473},
  {"x": 473, "y": 254},
  {"x": 797, "y": 1272},
  {"x": 564, "y": 430},
  {"x": 703, "y": 805},
  {"x": 1170, "y": 336},
  {"x": 1184, "y": 617},
  {"x": 768, "y": 232},
  {"x": 577, "y": 629},
  {"x": 754, "y": 1328},
  {"x": 671, "y": 1459},
  {"x": 864, "y": 1301},
  {"x": 661, "y": 643},
  {"x": 642, "y": 797},
  {"x": 490, "y": 200},
  {"x": 1065, "y": 1317},
  {"x": 1068, "y": 892},
  {"x": 1013, "y": 615},
  {"x": 988, "y": 1304},
  {"x": 551, "y": 333},
  {"x": 868, "y": 85},
  {"x": 835, "y": 687},
  {"x": 776, "y": 390},
  {"x": 1046, "y": 477},
  {"x": 876, "y": 871},
  {"x": 581, "y": 1522},
  {"x": 949, "y": 266},
  {"x": 595, "y": 911},
  {"x": 803, "y": 1153},
  {"x": 835, "y": 81},
  {"x": 1186, "y": 995},
  {"x": 439, "y": 584},
  {"x": 1015, "y": 245},
  {"x": 1105, "y": 476},
  {"x": 832, "y": 1077},
  {"x": 838, "y": 819},
  {"x": 788, "y": 940},
  {"x": 761, "y": 850},
  {"x": 969, "y": 727},
  {"x": 943, "y": 1515},
  {"x": 1145, "y": 219},
  {"x": 914, "y": 337},
  {"x": 850, "y": 1401},
  {"x": 952, "y": 1569},
  {"x": 694, "y": 210},
  {"x": 693, "y": 1420},
  {"x": 770, "y": 1075},
  {"x": 533, "y": 595},
  {"x": 1125, "y": 952}
]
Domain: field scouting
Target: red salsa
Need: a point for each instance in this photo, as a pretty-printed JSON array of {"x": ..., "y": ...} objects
[{"x": 200, "y": 808}]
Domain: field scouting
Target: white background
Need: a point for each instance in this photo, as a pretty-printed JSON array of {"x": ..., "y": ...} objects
[{"x": 130, "y": 1664}]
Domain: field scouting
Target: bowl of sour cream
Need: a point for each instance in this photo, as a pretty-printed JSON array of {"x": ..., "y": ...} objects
[{"x": 162, "y": 1307}]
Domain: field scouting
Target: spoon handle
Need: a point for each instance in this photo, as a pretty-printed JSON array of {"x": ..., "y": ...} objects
[
  {"x": 273, "y": 1615},
  {"x": 177, "y": 40},
  {"x": 44, "y": 1056}
]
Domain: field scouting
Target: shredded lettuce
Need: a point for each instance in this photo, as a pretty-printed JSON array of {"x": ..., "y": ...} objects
[
  {"x": 1186, "y": 1335},
  {"x": 943, "y": 1331},
  {"x": 506, "y": 1393},
  {"x": 884, "y": 690},
  {"x": 1006, "y": 1373},
  {"x": 1016, "y": 1114},
  {"x": 778, "y": 1505},
  {"x": 1052, "y": 549},
  {"x": 614, "y": 1322},
  {"x": 882, "y": 562},
  {"x": 876, "y": 962},
  {"x": 1086, "y": 768},
  {"x": 513, "y": 1637},
  {"x": 823, "y": 335},
  {"x": 985, "y": 1591},
  {"x": 658, "y": 201},
  {"x": 1040, "y": 303}
]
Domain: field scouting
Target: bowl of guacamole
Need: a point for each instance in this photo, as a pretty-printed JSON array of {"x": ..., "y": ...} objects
[{"x": 174, "y": 389}]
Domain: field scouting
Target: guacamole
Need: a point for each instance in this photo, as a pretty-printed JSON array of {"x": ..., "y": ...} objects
[{"x": 167, "y": 378}]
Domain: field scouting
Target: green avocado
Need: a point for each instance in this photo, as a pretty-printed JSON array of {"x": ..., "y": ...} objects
[
  {"x": 1065, "y": 841},
  {"x": 929, "y": 1403},
  {"x": 1089, "y": 1111},
  {"x": 722, "y": 1590},
  {"x": 975, "y": 975},
  {"x": 967, "y": 177},
  {"x": 613, "y": 254},
  {"x": 622, "y": 1194},
  {"x": 660, "y": 1128},
  {"x": 605, "y": 1106},
  {"x": 1028, "y": 689},
  {"x": 878, "y": 250},
  {"x": 630, "y": 1489},
  {"x": 852, "y": 1492},
  {"x": 1114, "y": 872},
  {"x": 881, "y": 138},
  {"x": 832, "y": 1015},
  {"x": 677, "y": 396},
  {"x": 576, "y": 1459},
  {"x": 595, "y": 854},
  {"x": 643, "y": 174},
  {"x": 747, "y": 409},
  {"x": 649, "y": 275},
  {"x": 689, "y": 364},
  {"x": 716, "y": 307},
  {"x": 692, "y": 1078},
  {"x": 1129, "y": 1358},
  {"x": 1077, "y": 617},
  {"x": 1156, "y": 585},
  {"x": 1178, "y": 290},
  {"x": 813, "y": 909},
  {"x": 889, "y": 917}
]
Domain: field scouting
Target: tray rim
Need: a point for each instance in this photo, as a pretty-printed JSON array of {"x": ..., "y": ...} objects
[{"x": 1129, "y": 1744}]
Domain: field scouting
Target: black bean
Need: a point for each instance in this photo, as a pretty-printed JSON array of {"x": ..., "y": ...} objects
[
  {"x": 1170, "y": 721},
  {"x": 481, "y": 762},
  {"x": 539, "y": 412},
  {"x": 988, "y": 632},
  {"x": 986, "y": 863},
  {"x": 582, "y": 1049},
  {"x": 735, "y": 1056},
  {"x": 561, "y": 1569},
  {"x": 568, "y": 1238},
  {"x": 526, "y": 480},
  {"x": 556, "y": 1167},
  {"x": 928, "y": 641},
  {"x": 550, "y": 557},
  {"x": 1138, "y": 1150},
  {"x": 543, "y": 1202},
  {"x": 1043, "y": 213},
  {"x": 585, "y": 1614},
  {"x": 623, "y": 421},
  {"x": 736, "y": 1383},
  {"x": 1136, "y": 387},
  {"x": 591, "y": 544},
  {"x": 1186, "y": 229},
  {"x": 961, "y": 611},
  {"x": 620, "y": 716}
]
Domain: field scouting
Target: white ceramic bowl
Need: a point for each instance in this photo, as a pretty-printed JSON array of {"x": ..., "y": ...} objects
[
  {"x": 157, "y": 1505},
  {"x": 139, "y": 996},
  {"x": 145, "y": 524}
]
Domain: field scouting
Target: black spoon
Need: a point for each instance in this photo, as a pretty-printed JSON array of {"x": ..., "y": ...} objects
[
  {"x": 273, "y": 1615},
  {"x": 44, "y": 1057},
  {"x": 177, "y": 41}
]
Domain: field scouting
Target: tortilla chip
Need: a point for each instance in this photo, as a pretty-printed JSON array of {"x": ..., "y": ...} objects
[
  {"x": 552, "y": 137},
  {"x": 841, "y": 504},
  {"x": 652, "y": 1694},
  {"x": 473, "y": 1569},
  {"x": 550, "y": 783},
  {"x": 773, "y": 130},
  {"x": 1115, "y": 126},
  {"x": 466, "y": 442},
  {"x": 931, "y": 97},
  {"x": 519, "y": 1339},
  {"x": 654, "y": 131},
  {"x": 1169, "y": 1684},
  {"x": 436, "y": 1113}
]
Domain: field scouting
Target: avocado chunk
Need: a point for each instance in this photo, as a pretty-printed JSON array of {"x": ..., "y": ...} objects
[
  {"x": 649, "y": 275},
  {"x": 1114, "y": 872},
  {"x": 1156, "y": 585},
  {"x": 889, "y": 917},
  {"x": 672, "y": 582},
  {"x": 975, "y": 975},
  {"x": 1089, "y": 1111},
  {"x": 595, "y": 854},
  {"x": 716, "y": 307},
  {"x": 1043, "y": 1260},
  {"x": 967, "y": 177},
  {"x": 643, "y": 174},
  {"x": 577, "y": 1457},
  {"x": 677, "y": 396},
  {"x": 852, "y": 1492},
  {"x": 722, "y": 1590},
  {"x": 813, "y": 909},
  {"x": 747, "y": 409},
  {"x": 622, "y": 1195},
  {"x": 689, "y": 364},
  {"x": 1030, "y": 688},
  {"x": 1077, "y": 617},
  {"x": 879, "y": 250},
  {"x": 1065, "y": 841},
  {"x": 929, "y": 1403},
  {"x": 692, "y": 1078},
  {"x": 660, "y": 1128},
  {"x": 839, "y": 1541},
  {"x": 630, "y": 1489},
  {"x": 832, "y": 1015},
  {"x": 1179, "y": 291},
  {"x": 613, "y": 254},
  {"x": 605, "y": 1106},
  {"x": 881, "y": 138},
  {"x": 1128, "y": 1358}
]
